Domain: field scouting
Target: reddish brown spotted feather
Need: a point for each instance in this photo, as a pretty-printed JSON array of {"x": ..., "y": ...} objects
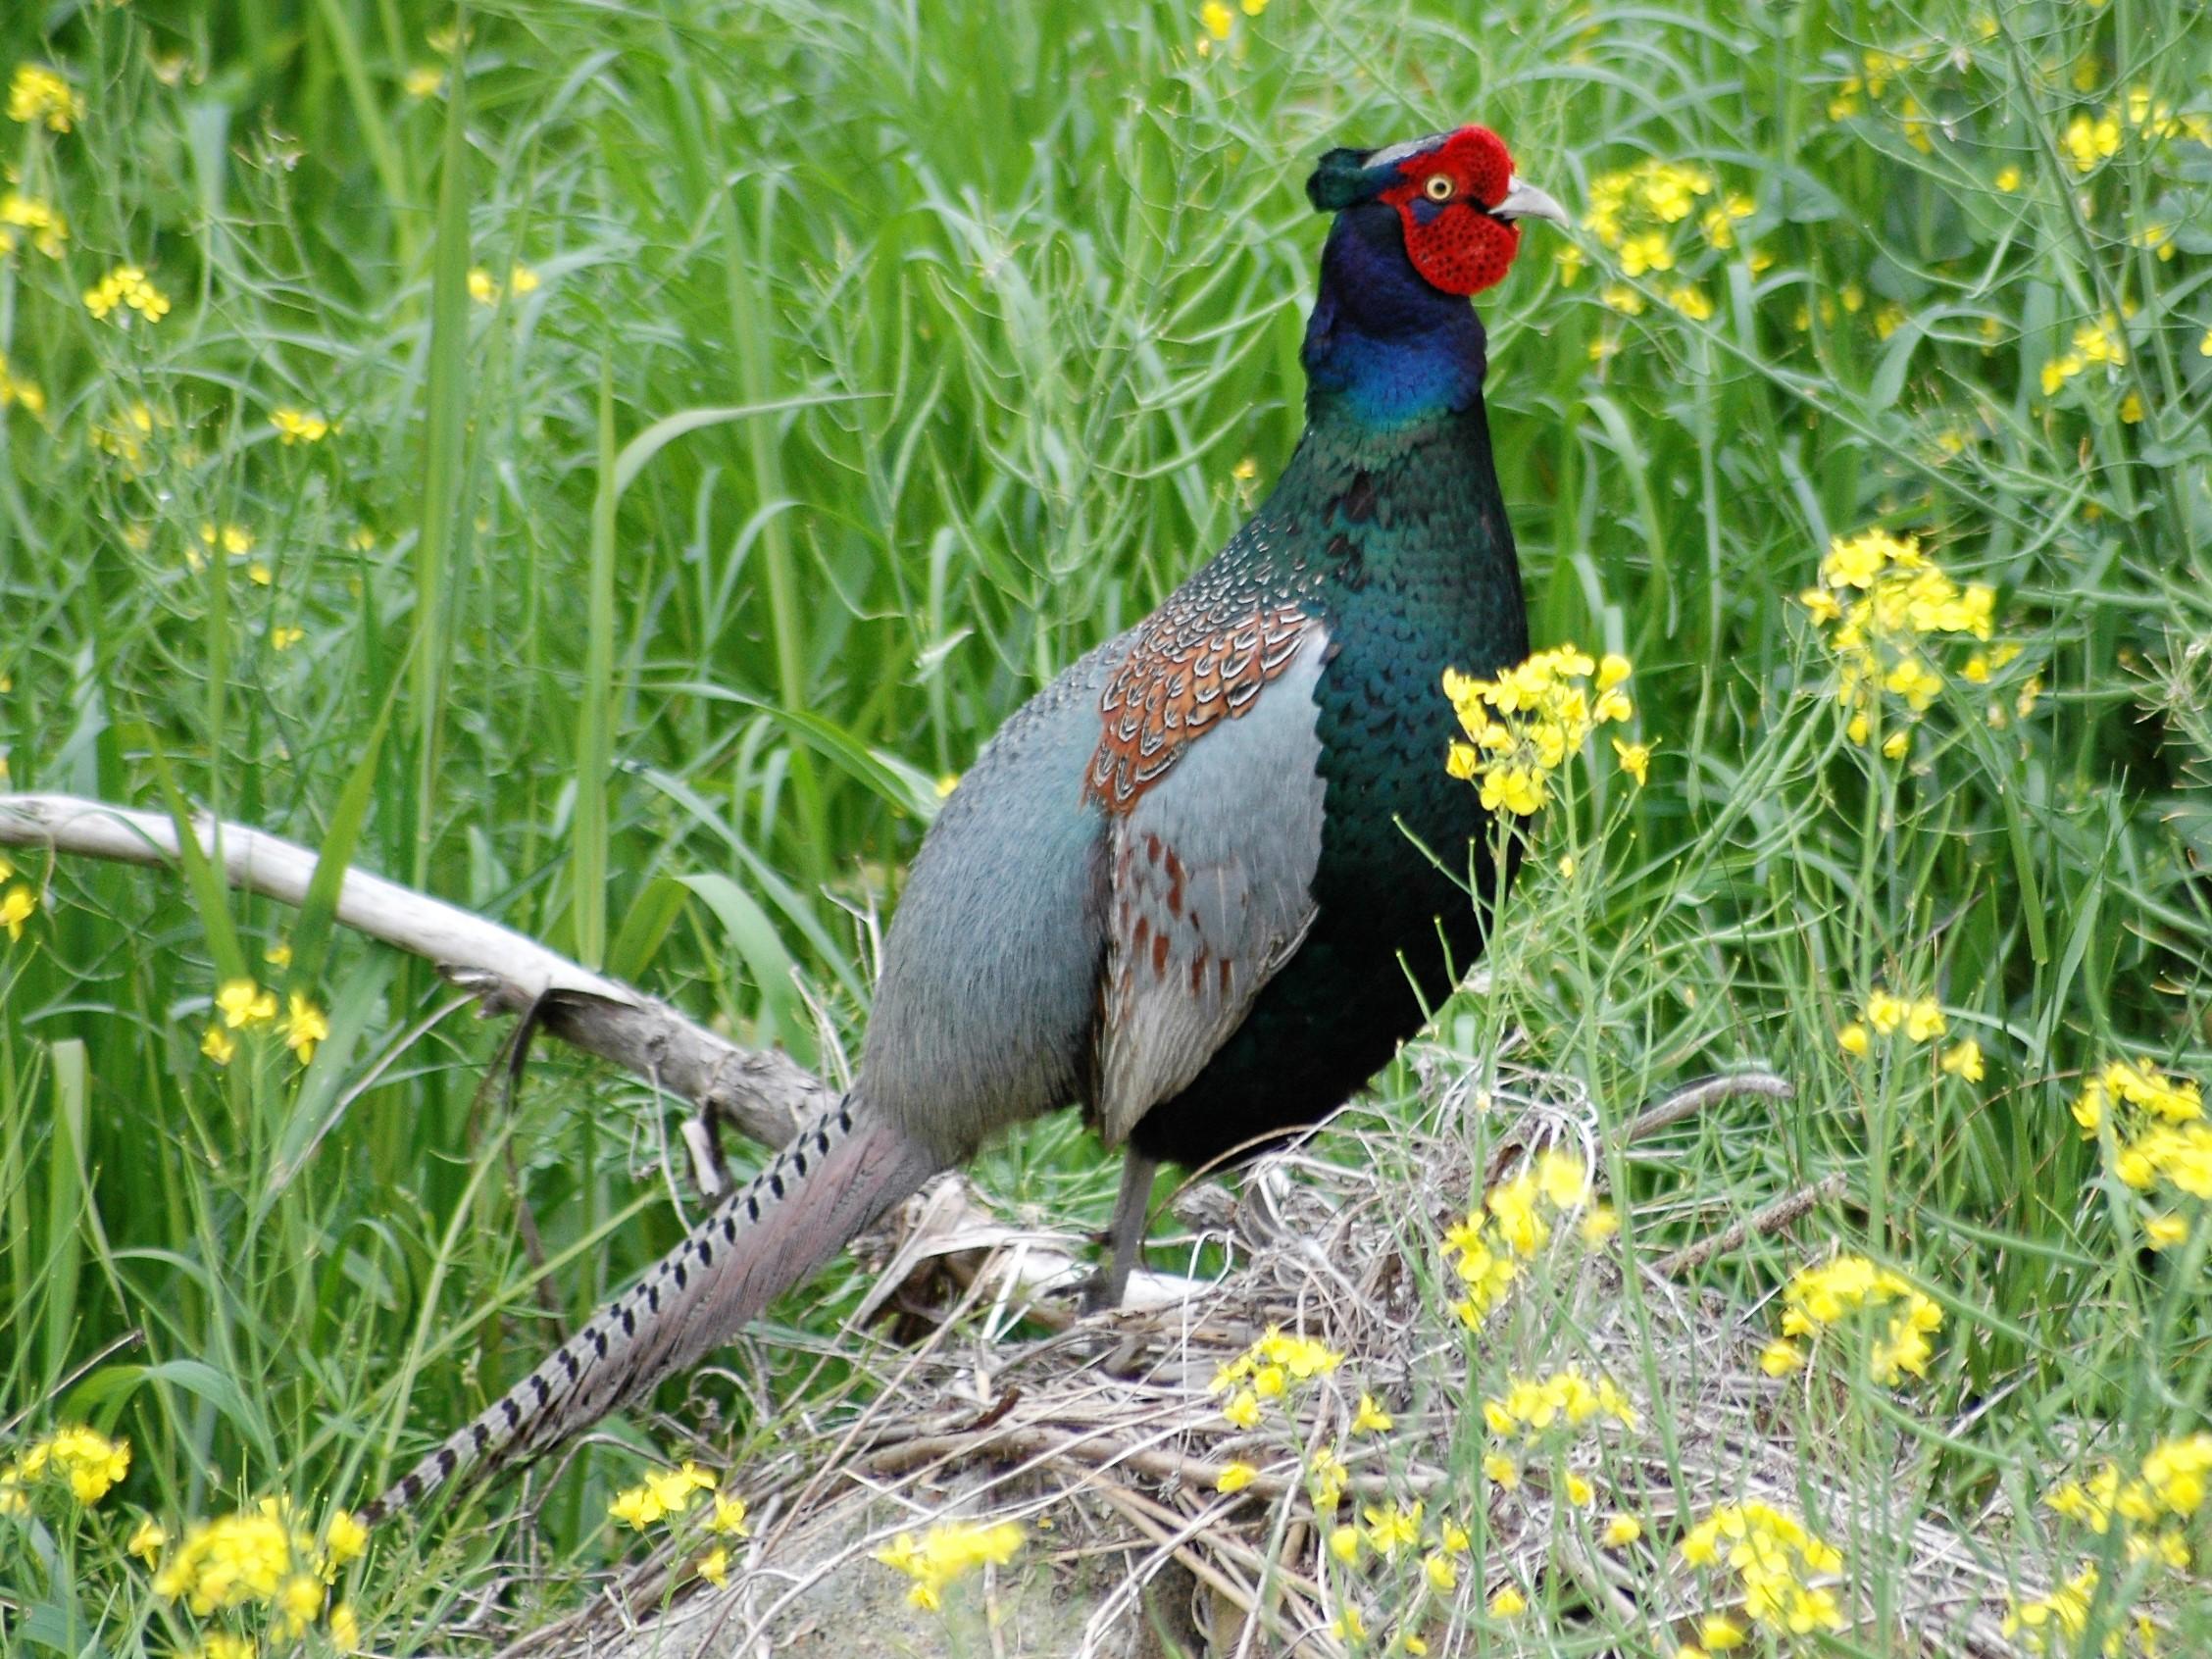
[{"x": 1177, "y": 682}]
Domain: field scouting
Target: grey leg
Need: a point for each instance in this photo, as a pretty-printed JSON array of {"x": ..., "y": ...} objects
[{"x": 1126, "y": 1236}]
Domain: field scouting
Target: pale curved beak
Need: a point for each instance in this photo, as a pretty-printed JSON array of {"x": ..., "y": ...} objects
[{"x": 1526, "y": 201}]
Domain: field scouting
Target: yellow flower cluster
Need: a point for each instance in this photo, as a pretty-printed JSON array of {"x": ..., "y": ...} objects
[
  {"x": 1392, "y": 1529},
  {"x": 125, "y": 290},
  {"x": 2092, "y": 141},
  {"x": 241, "y": 1004},
  {"x": 667, "y": 1494},
  {"x": 1269, "y": 1369},
  {"x": 1511, "y": 1224},
  {"x": 1818, "y": 1298},
  {"x": 1634, "y": 212},
  {"x": 1531, "y": 1406},
  {"x": 2148, "y": 1507},
  {"x": 1521, "y": 727},
  {"x": 2159, "y": 1135},
  {"x": 486, "y": 289},
  {"x": 82, "y": 1459},
  {"x": 2102, "y": 344},
  {"x": 37, "y": 94},
  {"x": 1546, "y": 1411},
  {"x": 2055, "y": 1622},
  {"x": 261, "y": 1558},
  {"x": 1922, "y": 1021},
  {"x": 1776, "y": 1557},
  {"x": 295, "y": 426},
  {"x": 1887, "y": 606},
  {"x": 48, "y": 229},
  {"x": 948, "y": 1552}
]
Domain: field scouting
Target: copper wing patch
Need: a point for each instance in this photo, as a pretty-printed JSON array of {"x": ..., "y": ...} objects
[{"x": 1185, "y": 673}]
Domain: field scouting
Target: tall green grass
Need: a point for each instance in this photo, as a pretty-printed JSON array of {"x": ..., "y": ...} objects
[{"x": 880, "y": 360}]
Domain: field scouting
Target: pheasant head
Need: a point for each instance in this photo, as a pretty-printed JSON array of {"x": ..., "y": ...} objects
[{"x": 1455, "y": 196}]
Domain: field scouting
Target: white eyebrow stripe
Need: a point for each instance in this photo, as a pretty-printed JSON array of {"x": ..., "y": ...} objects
[{"x": 1412, "y": 147}]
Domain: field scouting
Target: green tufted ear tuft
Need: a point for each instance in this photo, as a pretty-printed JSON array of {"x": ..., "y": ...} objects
[{"x": 1339, "y": 179}]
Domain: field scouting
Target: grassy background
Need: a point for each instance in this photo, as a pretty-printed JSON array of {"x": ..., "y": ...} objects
[{"x": 976, "y": 319}]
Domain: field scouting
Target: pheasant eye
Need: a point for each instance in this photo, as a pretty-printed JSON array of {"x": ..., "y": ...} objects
[{"x": 1439, "y": 187}]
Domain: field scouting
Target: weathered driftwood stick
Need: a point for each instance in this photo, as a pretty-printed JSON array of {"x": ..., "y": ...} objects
[
  {"x": 1696, "y": 1097},
  {"x": 764, "y": 1095},
  {"x": 1772, "y": 1219}
]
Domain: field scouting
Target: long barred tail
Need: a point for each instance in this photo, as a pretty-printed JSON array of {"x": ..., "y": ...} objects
[{"x": 840, "y": 1172}]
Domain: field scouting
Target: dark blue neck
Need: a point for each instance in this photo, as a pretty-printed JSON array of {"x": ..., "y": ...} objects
[{"x": 1382, "y": 347}]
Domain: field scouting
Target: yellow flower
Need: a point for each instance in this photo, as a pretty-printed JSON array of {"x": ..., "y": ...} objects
[
  {"x": 285, "y": 638},
  {"x": 1370, "y": 1418},
  {"x": 1718, "y": 1632},
  {"x": 1236, "y": 1477},
  {"x": 1634, "y": 758},
  {"x": 714, "y": 1566},
  {"x": 344, "y": 1538},
  {"x": 1646, "y": 252},
  {"x": 1508, "y": 1603},
  {"x": 948, "y": 1552},
  {"x": 1853, "y": 1040},
  {"x": 219, "y": 1046},
  {"x": 1691, "y": 300},
  {"x": 2163, "y": 1232},
  {"x": 2131, "y": 409},
  {"x": 147, "y": 1540},
  {"x": 37, "y": 94},
  {"x": 635, "y": 1507},
  {"x": 305, "y": 1025},
  {"x": 1618, "y": 297},
  {"x": 1601, "y": 1224},
  {"x": 1781, "y": 1357},
  {"x": 1580, "y": 1493},
  {"x": 1390, "y": 1529},
  {"x": 2008, "y": 179},
  {"x": 1925, "y": 1021},
  {"x": 423, "y": 80},
  {"x": 1820, "y": 604},
  {"x": 123, "y": 289},
  {"x": 1620, "y": 1531},
  {"x": 241, "y": 1003},
  {"x": 1243, "y": 1409},
  {"x": 728, "y": 1518},
  {"x": 49, "y": 230},
  {"x": 1344, "y": 1544},
  {"x": 2090, "y": 142},
  {"x": 1325, "y": 1479},
  {"x": 1441, "y": 1570},
  {"x": 299, "y": 1598},
  {"x": 1217, "y": 18},
  {"x": 1964, "y": 1060},
  {"x": 1885, "y": 1013},
  {"x": 15, "y": 907},
  {"x": 345, "y": 1628},
  {"x": 295, "y": 426},
  {"x": 1500, "y": 1470}
]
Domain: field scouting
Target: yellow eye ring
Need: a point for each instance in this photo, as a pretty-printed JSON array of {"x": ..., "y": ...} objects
[{"x": 1438, "y": 187}]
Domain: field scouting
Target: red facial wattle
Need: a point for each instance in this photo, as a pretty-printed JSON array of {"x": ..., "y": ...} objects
[{"x": 1444, "y": 203}]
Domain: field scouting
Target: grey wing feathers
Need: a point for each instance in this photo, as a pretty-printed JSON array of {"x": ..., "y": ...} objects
[
  {"x": 988, "y": 999},
  {"x": 1211, "y": 873}
]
